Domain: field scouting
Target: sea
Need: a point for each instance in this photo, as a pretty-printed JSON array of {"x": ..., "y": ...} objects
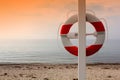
[{"x": 52, "y": 51}]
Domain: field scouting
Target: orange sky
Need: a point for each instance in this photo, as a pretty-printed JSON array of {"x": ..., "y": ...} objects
[
  {"x": 27, "y": 18},
  {"x": 41, "y": 18}
]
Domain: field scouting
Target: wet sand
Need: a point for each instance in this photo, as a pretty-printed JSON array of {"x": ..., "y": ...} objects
[{"x": 58, "y": 71}]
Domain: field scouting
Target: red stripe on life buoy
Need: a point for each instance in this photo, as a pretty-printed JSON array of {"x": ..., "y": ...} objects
[
  {"x": 89, "y": 50},
  {"x": 98, "y": 26},
  {"x": 92, "y": 49},
  {"x": 72, "y": 49},
  {"x": 65, "y": 28}
]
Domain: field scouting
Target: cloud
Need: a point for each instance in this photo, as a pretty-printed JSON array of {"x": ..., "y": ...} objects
[
  {"x": 104, "y": 7},
  {"x": 96, "y": 7}
]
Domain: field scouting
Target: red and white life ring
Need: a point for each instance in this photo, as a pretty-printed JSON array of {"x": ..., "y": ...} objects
[{"x": 90, "y": 50}]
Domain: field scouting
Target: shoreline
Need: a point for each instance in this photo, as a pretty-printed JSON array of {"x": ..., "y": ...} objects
[{"x": 97, "y": 63}]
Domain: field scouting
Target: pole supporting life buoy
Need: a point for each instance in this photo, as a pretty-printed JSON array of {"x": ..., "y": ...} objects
[{"x": 66, "y": 35}]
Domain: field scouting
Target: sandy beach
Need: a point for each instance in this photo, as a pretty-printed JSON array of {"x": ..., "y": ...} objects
[{"x": 58, "y": 71}]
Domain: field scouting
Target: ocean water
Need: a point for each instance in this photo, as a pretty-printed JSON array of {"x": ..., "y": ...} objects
[{"x": 52, "y": 51}]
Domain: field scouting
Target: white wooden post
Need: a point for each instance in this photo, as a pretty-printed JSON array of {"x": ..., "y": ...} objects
[{"x": 82, "y": 39}]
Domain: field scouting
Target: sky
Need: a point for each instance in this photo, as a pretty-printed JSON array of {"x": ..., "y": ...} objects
[{"x": 41, "y": 19}]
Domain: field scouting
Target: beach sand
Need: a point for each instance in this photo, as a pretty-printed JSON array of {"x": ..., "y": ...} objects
[{"x": 58, "y": 71}]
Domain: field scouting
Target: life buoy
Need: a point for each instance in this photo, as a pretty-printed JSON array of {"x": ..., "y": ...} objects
[{"x": 90, "y": 50}]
